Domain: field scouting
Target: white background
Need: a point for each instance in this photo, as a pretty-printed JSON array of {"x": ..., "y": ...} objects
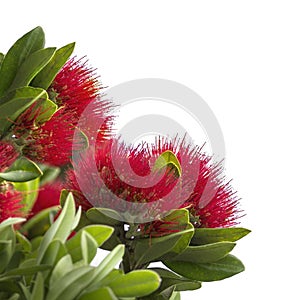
[{"x": 243, "y": 58}]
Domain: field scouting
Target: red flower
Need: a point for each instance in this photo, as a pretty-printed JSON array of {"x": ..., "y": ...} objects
[
  {"x": 49, "y": 195},
  {"x": 75, "y": 87},
  {"x": 52, "y": 143},
  {"x": 126, "y": 172},
  {"x": 10, "y": 202},
  {"x": 8, "y": 155}
]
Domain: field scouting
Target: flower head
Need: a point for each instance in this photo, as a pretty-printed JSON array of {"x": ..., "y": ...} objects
[
  {"x": 8, "y": 155},
  {"x": 127, "y": 173},
  {"x": 75, "y": 87},
  {"x": 10, "y": 202}
]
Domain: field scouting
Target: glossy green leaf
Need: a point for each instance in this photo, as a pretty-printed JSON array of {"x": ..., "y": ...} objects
[
  {"x": 224, "y": 268},
  {"x": 61, "y": 228},
  {"x": 11, "y": 221},
  {"x": 22, "y": 48},
  {"x": 23, "y": 271},
  {"x": 71, "y": 284},
  {"x": 38, "y": 224},
  {"x": 137, "y": 283},
  {"x": 175, "y": 296},
  {"x": 205, "y": 253},
  {"x": 102, "y": 293},
  {"x": 113, "y": 241},
  {"x": 31, "y": 66},
  {"x": 149, "y": 250},
  {"x": 50, "y": 173},
  {"x": 16, "y": 102},
  {"x": 64, "y": 266},
  {"x": 99, "y": 233},
  {"x": 54, "y": 252},
  {"x": 109, "y": 262},
  {"x": 6, "y": 253},
  {"x": 30, "y": 191},
  {"x": 21, "y": 170},
  {"x": 89, "y": 247},
  {"x": 45, "y": 77},
  {"x": 175, "y": 282},
  {"x": 167, "y": 158},
  {"x": 204, "y": 236},
  {"x": 104, "y": 216},
  {"x": 181, "y": 218},
  {"x": 24, "y": 242},
  {"x": 38, "y": 288}
]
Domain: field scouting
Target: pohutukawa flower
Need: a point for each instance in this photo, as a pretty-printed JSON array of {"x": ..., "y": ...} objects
[
  {"x": 10, "y": 202},
  {"x": 212, "y": 201},
  {"x": 122, "y": 171},
  {"x": 8, "y": 155},
  {"x": 202, "y": 188},
  {"x": 50, "y": 143},
  {"x": 75, "y": 87},
  {"x": 48, "y": 196}
]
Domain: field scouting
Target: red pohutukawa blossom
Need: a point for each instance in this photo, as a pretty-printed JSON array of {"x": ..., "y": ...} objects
[
  {"x": 8, "y": 155},
  {"x": 122, "y": 172},
  {"x": 10, "y": 202},
  {"x": 48, "y": 196},
  {"x": 128, "y": 174},
  {"x": 75, "y": 87}
]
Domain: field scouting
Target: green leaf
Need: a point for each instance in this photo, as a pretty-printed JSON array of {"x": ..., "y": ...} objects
[
  {"x": 6, "y": 253},
  {"x": 99, "y": 233},
  {"x": 50, "y": 173},
  {"x": 22, "y": 48},
  {"x": 103, "y": 216},
  {"x": 167, "y": 158},
  {"x": 24, "y": 271},
  {"x": 64, "y": 266},
  {"x": 30, "y": 191},
  {"x": 89, "y": 247},
  {"x": 181, "y": 218},
  {"x": 205, "y": 253},
  {"x": 31, "y": 66},
  {"x": 55, "y": 251},
  {"x": 14, "y": 297},
  {"x": 107, "y": 265},
  {"x": 39, "y": 224},
  {"x": 221, "y": 269},
  {"x": 71, "y": 284},
  {"x": 149, "y": 250},
  {"x": 175, "y": 296},
  {"x": 46, "y": 76},
  {"x": 102, "y": 293},
  {"x": 137, "y": 283},
  {"x": 1, "y": 58},
  {"x": 61, "y": 228},
  {"x": 15, "y": 103},
  {"x": 11, "y": 221},
  {"x": 204, "y": 236},
  {"x": 21, "y": 170},
  {"x": 38, "y": 288},
  {"x": 24, "y": 242},
  {"x": 172, "y": 281}
]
